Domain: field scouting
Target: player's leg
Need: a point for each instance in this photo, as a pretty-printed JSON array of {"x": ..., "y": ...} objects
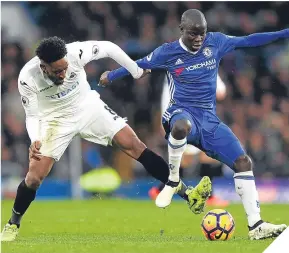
[
  {"x": 108, "y": 128},
  {"x": 178, "y": 126},
  {"x": 177, "y": 142},
  {"x": 186, "y": 161},
  {"x": 246, "y": 188},
  {"x": 55, "y": 137},
  {"x": 26, "y": 193},
  {"x": 224, "y": 146},
  {"x": 128, "y": 142}
]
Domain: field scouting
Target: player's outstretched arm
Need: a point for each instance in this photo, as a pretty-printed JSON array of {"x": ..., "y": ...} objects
[
  {"x": 156, "y": 59},
  {"x": 229, "y": 43},
  {"x": 259, "y": 39},
  {"x": 116, "y": 53},
  {"x": 88, "y": 51}
]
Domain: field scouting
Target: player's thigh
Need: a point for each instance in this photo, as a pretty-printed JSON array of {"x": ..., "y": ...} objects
[
  {"x": 222, "y": 145},
  {"x": 127, "y": 140},
  {"x": 169, "y": 119},
  {"x": 55, "y": 137},
  {"x": 104, "y": 125}
]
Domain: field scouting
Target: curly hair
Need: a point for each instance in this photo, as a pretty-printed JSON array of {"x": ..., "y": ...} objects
[{"x": 51, "y": 49}]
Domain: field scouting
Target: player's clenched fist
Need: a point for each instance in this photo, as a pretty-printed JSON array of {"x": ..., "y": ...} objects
[
  {"x": 103, "y": 81},
  {"x": 145, "y": 72},
  {"x": 34, "y": 152}
]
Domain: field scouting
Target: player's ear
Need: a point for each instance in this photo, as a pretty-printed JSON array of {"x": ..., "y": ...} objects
[
  {"x": 43, "y": 67},
  {"x": 181, "y": 28}
]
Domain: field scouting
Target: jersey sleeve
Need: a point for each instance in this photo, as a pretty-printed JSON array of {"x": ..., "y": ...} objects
[
  {"x": 155, "y": 60},
  {"x": 28, "y": 96},
  {"x": 30, "y": 104},
  {"x": 93, "y": 50},
  {"x": 228, "y": 43}
]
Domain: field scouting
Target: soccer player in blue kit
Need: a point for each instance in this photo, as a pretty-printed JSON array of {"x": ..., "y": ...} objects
[{"x": 192, "y": 65}]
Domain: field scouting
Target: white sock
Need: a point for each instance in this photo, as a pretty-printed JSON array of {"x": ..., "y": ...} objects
[
  {"x": 176, "y": 149},
  {"x": 246, "y": 188}
]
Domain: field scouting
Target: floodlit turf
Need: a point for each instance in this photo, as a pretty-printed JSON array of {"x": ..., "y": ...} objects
[{"x": 127, "y": 227}]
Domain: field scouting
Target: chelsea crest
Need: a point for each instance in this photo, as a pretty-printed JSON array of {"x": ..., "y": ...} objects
[{"x": 207, "y": 52}]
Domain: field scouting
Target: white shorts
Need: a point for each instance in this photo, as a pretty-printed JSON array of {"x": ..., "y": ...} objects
[{"x": 96, "y": 123}]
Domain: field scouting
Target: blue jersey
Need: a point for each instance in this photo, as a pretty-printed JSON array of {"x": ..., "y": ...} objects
[{"x": 192, "y": 76}]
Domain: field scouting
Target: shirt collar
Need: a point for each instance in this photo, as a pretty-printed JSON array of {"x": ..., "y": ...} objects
[{"x": 185, "y": 48}]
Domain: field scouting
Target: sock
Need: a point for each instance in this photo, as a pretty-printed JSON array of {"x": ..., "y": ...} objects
[
  {"x": 176, "y": 149},
  {"x": 155, "y": 165},
  {"x": 181, "y": 192},
  {"x": 23, "y": 199},
  {"x": 158, "y": 168},
  {"x": 246, "y": 188}
]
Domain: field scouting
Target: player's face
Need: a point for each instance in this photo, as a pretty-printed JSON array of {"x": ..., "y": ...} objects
[
  {"x": 56, "y": 71},
  {"x": 193, "y": 36}
]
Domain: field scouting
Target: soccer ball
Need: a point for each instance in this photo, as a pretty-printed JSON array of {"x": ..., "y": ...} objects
[{"x": 218, "y": 225}]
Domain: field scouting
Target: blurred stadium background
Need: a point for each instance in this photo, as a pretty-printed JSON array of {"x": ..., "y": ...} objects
[{"x": 256, "y": 106}]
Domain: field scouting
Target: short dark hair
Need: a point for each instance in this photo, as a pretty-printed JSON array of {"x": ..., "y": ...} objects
[{"x": 51, "y": 49}]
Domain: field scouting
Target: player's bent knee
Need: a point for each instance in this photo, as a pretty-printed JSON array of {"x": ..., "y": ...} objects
[
  {"x": 33, "y": 181},
  {"x": 137, "y": 148},
  {"x": 129, "y": 143},
  {"x": 38, "y": 170},
  {"x": 243, "y": 163},
  {"x": 181, "y": 129}
]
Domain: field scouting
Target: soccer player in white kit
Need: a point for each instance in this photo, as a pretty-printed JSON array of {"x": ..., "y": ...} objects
[{"x": 59, "y": 104}]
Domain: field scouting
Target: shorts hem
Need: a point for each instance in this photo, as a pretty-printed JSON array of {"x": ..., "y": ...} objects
[
  {"x": 56, "y": 159},
  {"x": 120, "y": 127}
]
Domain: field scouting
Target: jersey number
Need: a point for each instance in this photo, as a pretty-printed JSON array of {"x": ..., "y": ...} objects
[
  {"x": 111, "y": 112},
  {"x": 80, "y": 54}
]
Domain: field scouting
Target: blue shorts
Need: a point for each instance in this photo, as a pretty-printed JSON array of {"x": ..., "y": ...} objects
[{"x": 208, "y": 133}]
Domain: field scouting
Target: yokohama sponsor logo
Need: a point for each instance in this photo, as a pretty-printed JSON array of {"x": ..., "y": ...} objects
[{"x": 202, "y": 65}]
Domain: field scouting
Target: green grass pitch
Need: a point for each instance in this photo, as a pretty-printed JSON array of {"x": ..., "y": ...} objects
[{"x": 125, "y": 226}]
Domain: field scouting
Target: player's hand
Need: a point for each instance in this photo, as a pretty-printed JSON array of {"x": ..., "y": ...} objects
[
  {"x": 145, "y": 72},
  {"x": 34, "y": 152},
  {"x": 221, "y": 95},
  {"x": 103, "y": 81}
]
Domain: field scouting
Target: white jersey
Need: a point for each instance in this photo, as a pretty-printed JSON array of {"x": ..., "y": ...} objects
[{"x": 42, "y": 99}]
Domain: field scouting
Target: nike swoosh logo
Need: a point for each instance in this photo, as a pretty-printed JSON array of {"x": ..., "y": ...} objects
[
  {"x": 149, "y": 57},
  {"x": 219, "y": 236},
  {"x": 195, "y": 201}
]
